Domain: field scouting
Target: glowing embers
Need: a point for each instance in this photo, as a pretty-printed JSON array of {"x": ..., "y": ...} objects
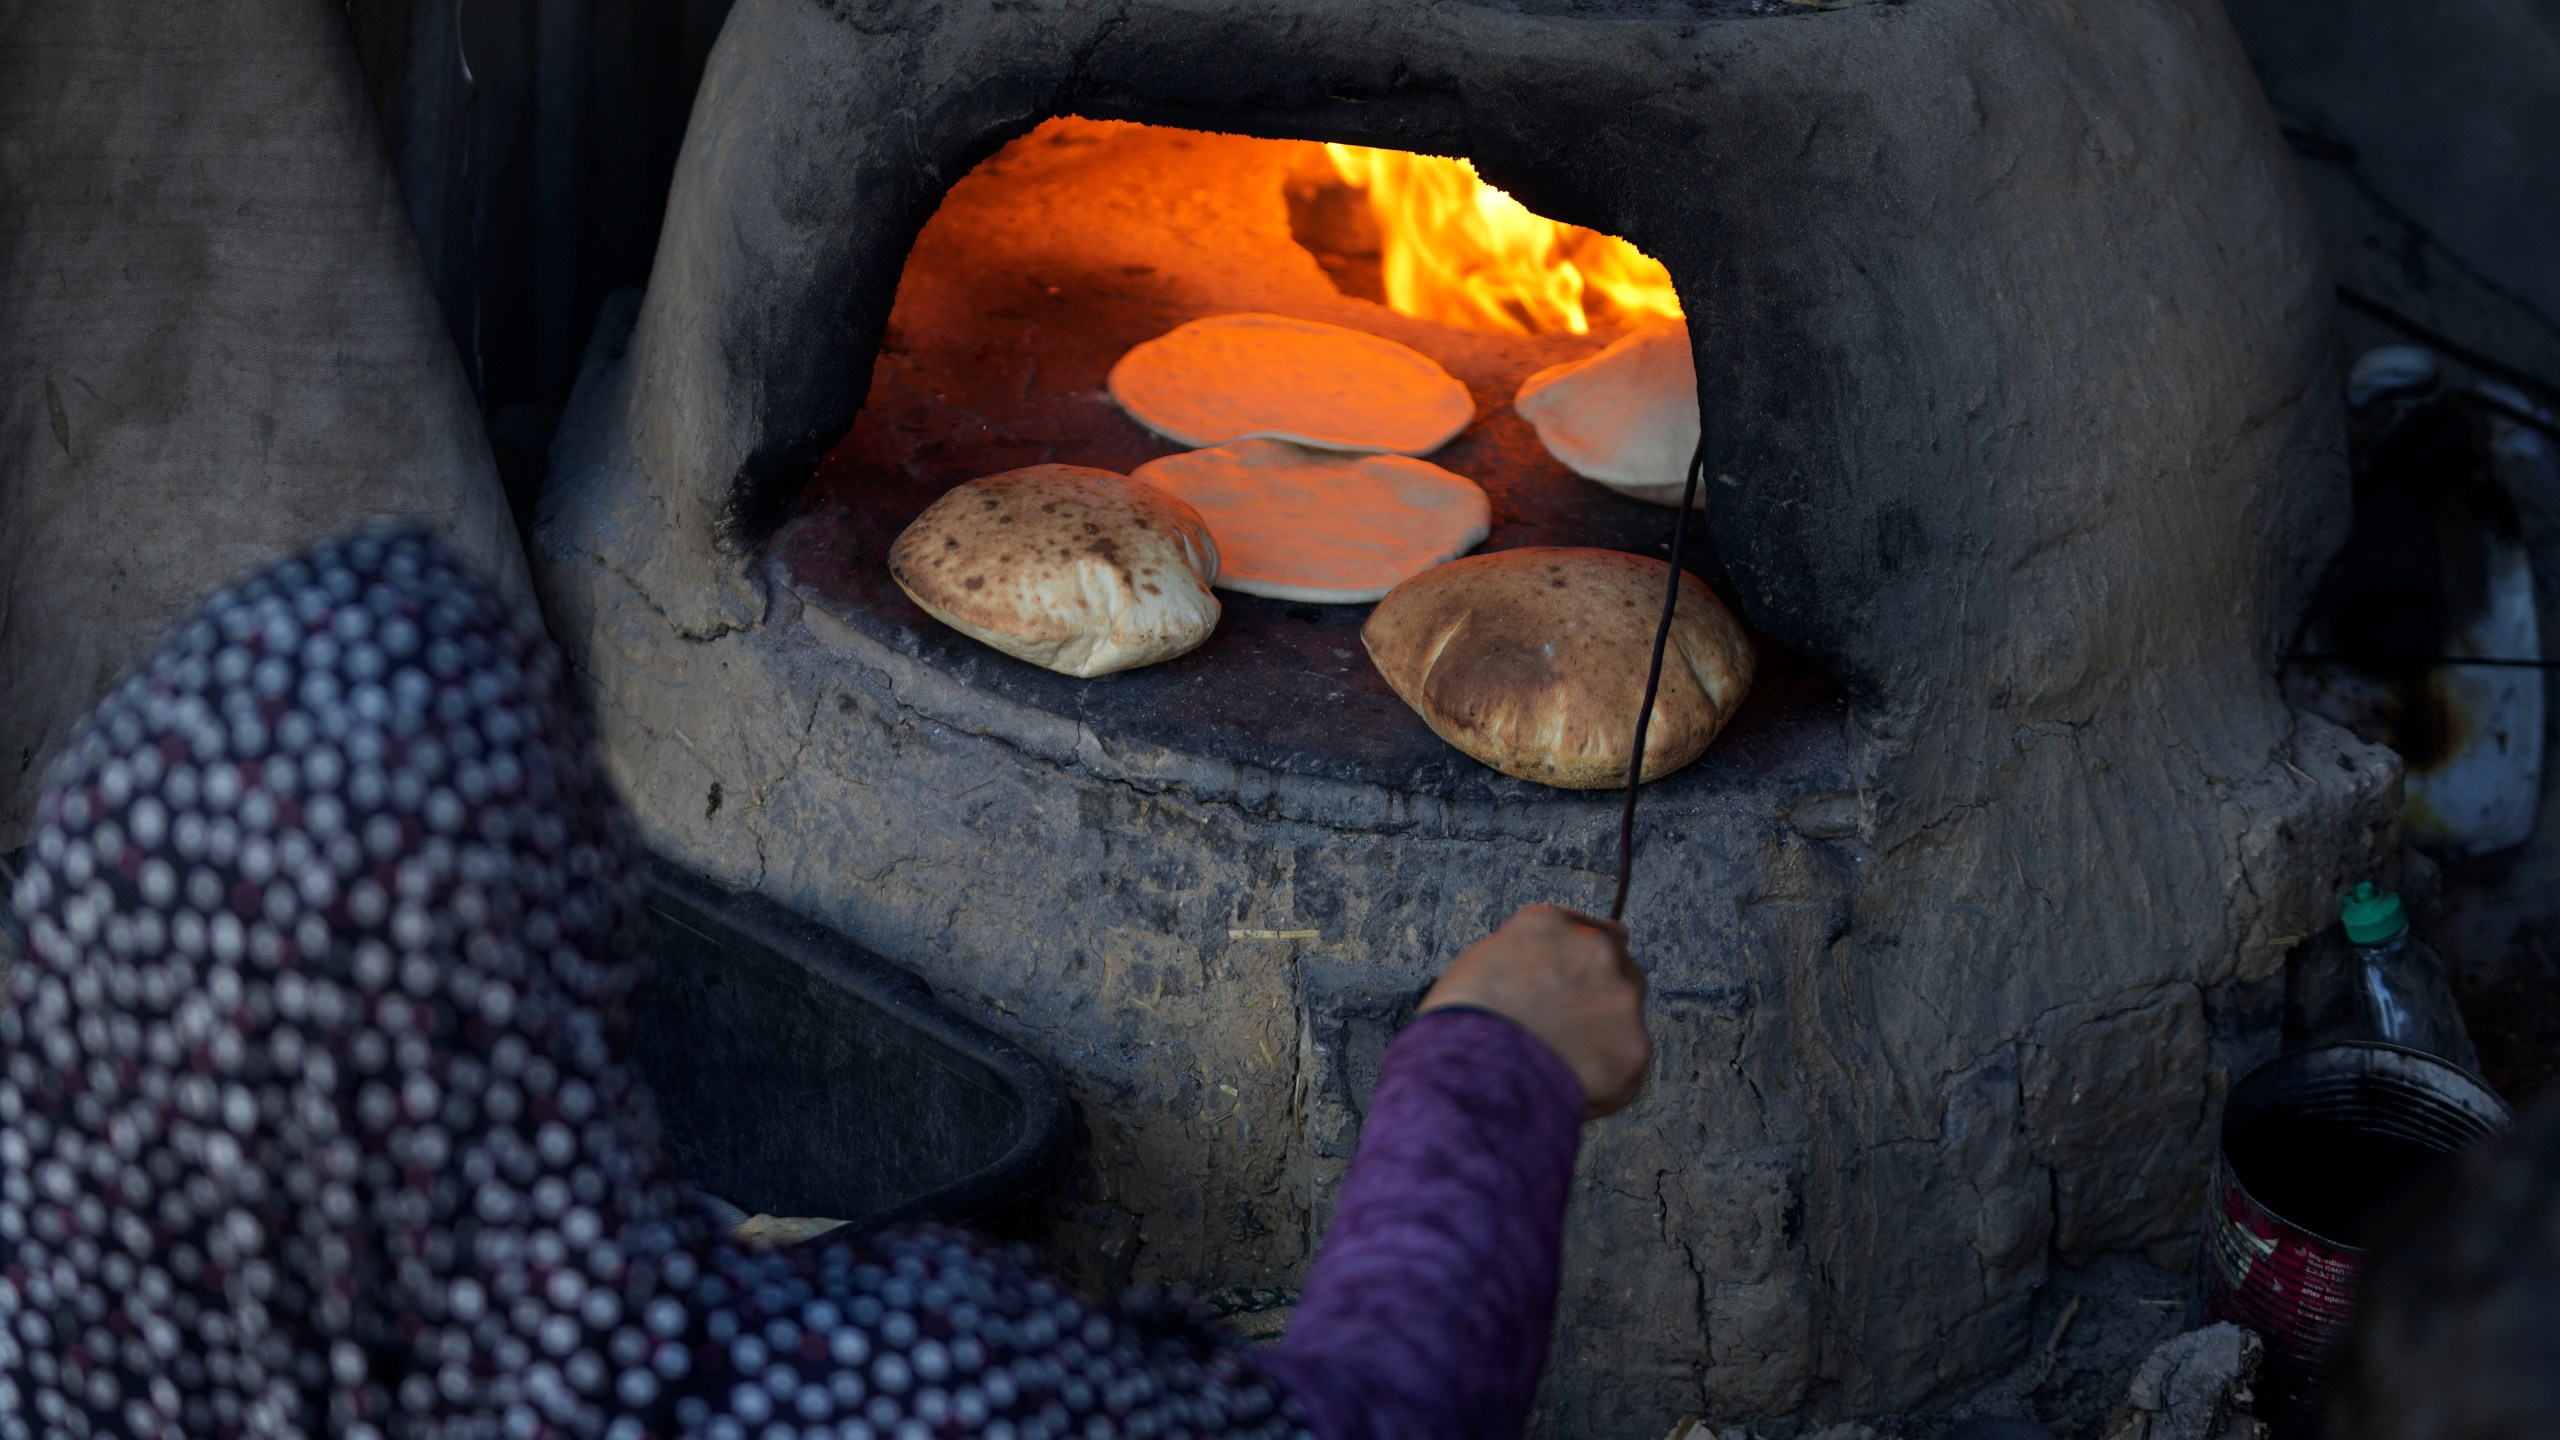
[{"x": 1453, "y": 249}]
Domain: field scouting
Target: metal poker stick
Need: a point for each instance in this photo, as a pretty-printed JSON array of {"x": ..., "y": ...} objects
[{"x": 1653, "y": 678}]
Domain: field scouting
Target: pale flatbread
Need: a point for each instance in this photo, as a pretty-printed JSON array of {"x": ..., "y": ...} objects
[
  {"x": 1082, "y": 571},
  {"x": 1533, "y": 662},
  {"x": 1243, "y": 377},
  {"x": 1319, "y": 526},
  {"x": 1626, "y": 417}
]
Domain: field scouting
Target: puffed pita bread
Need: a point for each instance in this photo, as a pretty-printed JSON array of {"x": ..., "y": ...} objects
[
  {"x": 1533, "y": 661},
  {"x": 1270, "y": 377},
  {"x": 1082, "y": 571},
  {"x": 1626, "y": 417},
  {"x": 1320, "y": 526}
]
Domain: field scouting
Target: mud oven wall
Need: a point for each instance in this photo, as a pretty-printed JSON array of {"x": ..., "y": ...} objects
[{"x": 2013, "y": 345}]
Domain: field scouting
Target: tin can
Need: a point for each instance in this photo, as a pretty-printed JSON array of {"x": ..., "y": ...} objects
[{"x": 2316, "y": 1145}]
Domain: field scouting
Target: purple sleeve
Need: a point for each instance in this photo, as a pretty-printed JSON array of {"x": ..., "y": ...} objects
[{"x": 1428, "y": 1311}]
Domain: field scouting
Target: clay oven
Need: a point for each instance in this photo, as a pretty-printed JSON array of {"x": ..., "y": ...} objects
[{"x": 2012, "y": 353}]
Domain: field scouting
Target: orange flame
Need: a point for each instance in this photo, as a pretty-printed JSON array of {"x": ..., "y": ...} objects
[{"x": 1456, "y": 250}]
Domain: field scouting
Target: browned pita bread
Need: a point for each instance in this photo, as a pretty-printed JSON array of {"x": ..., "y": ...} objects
[
  {"x": 1082, "y": 571},
  {"x": 1533, "y": 661}
]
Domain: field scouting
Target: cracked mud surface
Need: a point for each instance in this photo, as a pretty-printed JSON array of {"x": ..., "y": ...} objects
[{"x": 2092, "y": 1327}]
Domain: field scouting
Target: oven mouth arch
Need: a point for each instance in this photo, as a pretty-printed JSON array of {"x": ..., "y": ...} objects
[
  {"x": 810, "y": 381},
  {"x": 1009, "y": 308},
  {"x": 1917, "y": 393},
  {"x": 822, "y": 142}
]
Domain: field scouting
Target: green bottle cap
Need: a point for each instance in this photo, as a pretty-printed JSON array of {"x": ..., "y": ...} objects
[{"x": 2372, "y": 914}]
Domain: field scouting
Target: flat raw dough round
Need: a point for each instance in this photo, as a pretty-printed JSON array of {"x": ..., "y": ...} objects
[
  {"x": 1244, "y": 377},
  {"x": 1533, "y": 662},
  {"x": 1626, "y": 417},
  {"x": 1082, "y": 571},
  {"x": 1319, "y": 526}
]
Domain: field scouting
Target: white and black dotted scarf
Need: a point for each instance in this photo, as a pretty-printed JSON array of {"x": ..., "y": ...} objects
[{"x": 317, "y": 1115}]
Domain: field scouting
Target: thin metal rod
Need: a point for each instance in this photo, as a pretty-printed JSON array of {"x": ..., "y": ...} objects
[
  {"x": 1653, "y": 679},
  {"x": 2422, "y": 662}
]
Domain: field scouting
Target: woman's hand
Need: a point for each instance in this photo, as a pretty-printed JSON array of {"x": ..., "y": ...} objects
[{"x": 1567, "y": 979}]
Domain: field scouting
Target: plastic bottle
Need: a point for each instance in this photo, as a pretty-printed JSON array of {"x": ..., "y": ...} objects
[{"x": 2395, "y": 986}]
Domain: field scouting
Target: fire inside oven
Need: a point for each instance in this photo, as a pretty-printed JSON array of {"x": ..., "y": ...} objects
[{"x": 1048, "y": 262}]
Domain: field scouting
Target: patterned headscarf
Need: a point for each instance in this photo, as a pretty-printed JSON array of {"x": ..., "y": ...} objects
[{"x": 317, "y": 1116}]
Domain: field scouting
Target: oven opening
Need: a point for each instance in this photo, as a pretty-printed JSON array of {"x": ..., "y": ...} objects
[{"x": 1050, "y": 260}]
